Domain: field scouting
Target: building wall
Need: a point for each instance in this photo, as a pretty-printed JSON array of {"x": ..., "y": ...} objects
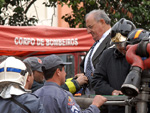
[
  {"x": 46, "y": 15},
  {"x": 62, "y": 11},
  {"x": 49, "y": 16}
]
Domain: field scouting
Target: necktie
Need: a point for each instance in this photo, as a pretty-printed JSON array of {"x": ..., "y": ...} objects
[{"x": 88, "y": 72}]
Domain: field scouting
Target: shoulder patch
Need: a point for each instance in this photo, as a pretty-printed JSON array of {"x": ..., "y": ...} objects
[
  {"x": 72, "y": 106},
  {"x": 70, "y": 101}
]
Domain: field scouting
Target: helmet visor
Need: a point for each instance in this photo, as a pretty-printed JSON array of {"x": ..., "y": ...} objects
[{"x": 118, "y": 38}]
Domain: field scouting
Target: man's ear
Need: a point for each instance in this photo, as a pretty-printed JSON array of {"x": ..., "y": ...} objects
[
  {"x": 28, "y": 78},
  {"x": 58, "y": 71},
  {"x": 102, "y": 21}
]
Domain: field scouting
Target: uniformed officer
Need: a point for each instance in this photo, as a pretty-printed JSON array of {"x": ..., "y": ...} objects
[
  {"x": 54, "y": 98},
  {"x": 15, "y": 80}
]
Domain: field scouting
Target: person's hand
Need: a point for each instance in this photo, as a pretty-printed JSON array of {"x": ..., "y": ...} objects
[
  {"x": 82, "y": 79},
  {"x": 117, "y": 92},
  {"x": 79, "y": 74},
  {"x": 99, "y": 100}
]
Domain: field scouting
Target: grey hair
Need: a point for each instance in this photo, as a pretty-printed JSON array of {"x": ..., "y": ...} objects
[{"x": 99, "y": 14}]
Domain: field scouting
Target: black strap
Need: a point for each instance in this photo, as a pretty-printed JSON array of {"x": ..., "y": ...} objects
[{"x": 21, "y": 105}]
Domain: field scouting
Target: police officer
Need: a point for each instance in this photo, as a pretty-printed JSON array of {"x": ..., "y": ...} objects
[{"x": 54, "y": 98}]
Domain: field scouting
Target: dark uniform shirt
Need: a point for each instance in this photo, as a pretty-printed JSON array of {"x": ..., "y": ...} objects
[
  {"x": 29, "y": 100},
  {"x": 57, "y": 100}
]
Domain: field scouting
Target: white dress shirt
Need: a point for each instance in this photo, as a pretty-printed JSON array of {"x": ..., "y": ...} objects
[{"x": 94, "y": 50}]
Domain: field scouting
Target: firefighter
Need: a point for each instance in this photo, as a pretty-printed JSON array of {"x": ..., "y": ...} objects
[
  {"x": 15, "y": 80},
  {"x": 53, "y": 97}
]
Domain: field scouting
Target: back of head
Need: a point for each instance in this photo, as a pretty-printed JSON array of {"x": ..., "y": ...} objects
[
  {"x": 13, "y": 70},
  {"x": 137, "y": 35},
  {"x": 120, "y": 30}
]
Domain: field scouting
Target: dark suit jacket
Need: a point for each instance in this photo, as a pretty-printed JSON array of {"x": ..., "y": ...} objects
[{"x": 105, "y": 44}]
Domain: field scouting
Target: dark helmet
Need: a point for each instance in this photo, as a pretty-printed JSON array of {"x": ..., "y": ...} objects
[
  {"x": 137, "y": 35},
  {"x": 120, "y": 30}
]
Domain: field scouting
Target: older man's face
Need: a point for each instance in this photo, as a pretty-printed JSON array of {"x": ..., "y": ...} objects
[{"x": 94, "y": 28}]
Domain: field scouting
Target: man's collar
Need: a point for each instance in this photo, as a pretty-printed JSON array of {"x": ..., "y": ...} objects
[{"x": 105, "y": 34}]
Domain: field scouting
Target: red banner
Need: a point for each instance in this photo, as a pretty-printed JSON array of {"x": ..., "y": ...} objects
[{"x": 37, "y": 40}]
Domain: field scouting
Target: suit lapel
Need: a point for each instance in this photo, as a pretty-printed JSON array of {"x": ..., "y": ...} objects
[{"x": 102, "y": 46}]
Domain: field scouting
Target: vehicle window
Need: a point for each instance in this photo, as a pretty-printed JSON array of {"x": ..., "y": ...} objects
[{"x": 70, "y": 67}]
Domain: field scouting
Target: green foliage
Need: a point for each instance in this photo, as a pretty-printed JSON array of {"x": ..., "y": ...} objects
[
  {"x": 1, "y": 3},
  {"x": 76, "y": 17},
  {"x": 136, "y": 11},
  {"x": 18, "y": 16}
]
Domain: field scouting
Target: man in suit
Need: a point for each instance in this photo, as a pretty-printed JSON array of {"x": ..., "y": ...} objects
[
  {"x": 98, "y": 25},
  {"x": 112, "y": 68}
]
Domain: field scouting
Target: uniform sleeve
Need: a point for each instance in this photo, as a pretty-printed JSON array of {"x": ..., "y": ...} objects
[
  {"x": 33, "y": 103},
  {"x": 72, "y": 107},
  {"x": 71, "y": 85},
  {"x": 40, "y": 108},
  {"x": 100, "y": 78}
]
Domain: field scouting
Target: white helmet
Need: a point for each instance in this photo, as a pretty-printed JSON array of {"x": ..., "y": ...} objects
[{"x": 13, "y": 70}]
